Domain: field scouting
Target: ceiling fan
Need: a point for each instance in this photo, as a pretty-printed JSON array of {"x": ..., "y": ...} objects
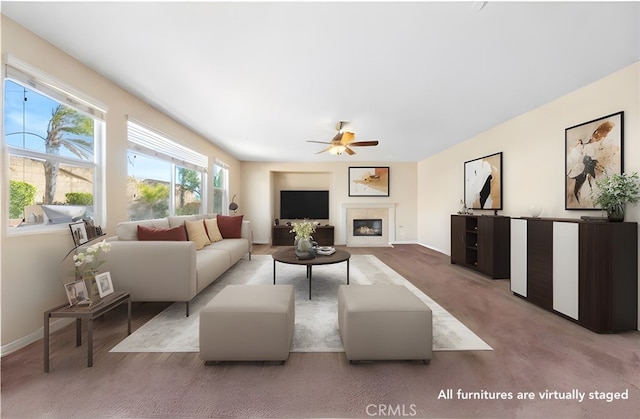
[{"x": 342, "y": 141}]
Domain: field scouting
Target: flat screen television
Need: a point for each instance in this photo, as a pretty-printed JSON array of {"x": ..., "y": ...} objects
[{"x": 313, "y": 205}]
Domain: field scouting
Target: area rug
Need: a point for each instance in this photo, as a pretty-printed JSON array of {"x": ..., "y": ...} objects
[{"x": 316, "y": 320}]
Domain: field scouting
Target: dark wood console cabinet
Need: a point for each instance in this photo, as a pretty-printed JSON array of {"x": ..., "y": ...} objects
[
  {"x": 586, "y": 271},
  {"x": 282, "y": 237},
  {"x": 481, "y": 242}
]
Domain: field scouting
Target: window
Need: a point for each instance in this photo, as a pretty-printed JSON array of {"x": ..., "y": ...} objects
[
  {"x": 53, "y": 136},
  {"x": 220, "y": 188},
  {"x": 165, "y": 178}
]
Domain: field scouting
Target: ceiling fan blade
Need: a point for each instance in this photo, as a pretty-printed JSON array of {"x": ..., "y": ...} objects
[
  {"x": 347, "y": 138},
  {"x": 364, "y": 143},
  {"x": 349, "y": 151},
  {"x": 337, "y": 138},
  {"x": 319, "y": 142},
  {"x": 326, "y": 149}
]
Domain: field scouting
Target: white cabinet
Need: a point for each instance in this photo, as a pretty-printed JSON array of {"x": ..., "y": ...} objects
[
  {"x": 566, "y": 258},
  {"x": 519, "y": 256}
]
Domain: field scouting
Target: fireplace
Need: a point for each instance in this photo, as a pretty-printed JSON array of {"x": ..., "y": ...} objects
[
  {"x": 378, "y": 219},
  {"x": 367, "y": 227}
]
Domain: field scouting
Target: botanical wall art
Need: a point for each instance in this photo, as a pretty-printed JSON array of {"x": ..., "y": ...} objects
[
  {"x": 368, "y": 181},
  {"x": 483, "y": 182},
  {"x": 593, "y": 151}
]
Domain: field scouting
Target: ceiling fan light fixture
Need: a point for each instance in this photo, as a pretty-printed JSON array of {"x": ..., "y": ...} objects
[{"x": 337, "y": 150}]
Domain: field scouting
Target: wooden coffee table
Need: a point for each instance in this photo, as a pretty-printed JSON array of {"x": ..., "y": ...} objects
[{"x": 288, "y": 255}]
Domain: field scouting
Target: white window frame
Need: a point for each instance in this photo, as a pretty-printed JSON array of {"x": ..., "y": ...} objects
[
  {"x": 225, "y": 187},
  {"x": 46, "y": 85},
  {"x": 148, "y": 141}
]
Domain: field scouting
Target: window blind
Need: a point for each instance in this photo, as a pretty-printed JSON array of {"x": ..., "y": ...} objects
[
  {"x": 29, "y": 75},
  {"x": 154, "y": 143}
]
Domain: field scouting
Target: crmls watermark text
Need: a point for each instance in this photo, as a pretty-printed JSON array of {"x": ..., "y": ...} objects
[{"x": 390, "y": 410}]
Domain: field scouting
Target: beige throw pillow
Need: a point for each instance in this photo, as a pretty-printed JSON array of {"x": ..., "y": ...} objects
[
  {"x": 197, "y": 233},
  {"x": 213, "y": 230}
]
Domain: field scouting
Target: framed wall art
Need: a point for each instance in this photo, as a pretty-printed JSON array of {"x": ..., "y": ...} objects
[
  {"x": 368, "y": 181},
  {"x": 593, "y": 150},
  {"x": 483, "y": 182}
]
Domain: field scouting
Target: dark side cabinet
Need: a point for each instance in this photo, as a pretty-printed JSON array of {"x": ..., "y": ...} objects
[
  {"x": 282, "y": 236},
  {"x": 540, "y": 263},
  {"x": 585, "y": 271},
  {"x": 608, "y": 287},
  {"x": 482, "y": 242}
]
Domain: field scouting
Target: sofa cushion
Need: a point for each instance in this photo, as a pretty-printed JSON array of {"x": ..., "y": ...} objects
[
  {"x": 161, "y": 234},
  {"x": 210, "y": 264},
  {"x": 236, "y": 248},
  {"x": 212, "y": 230},
  {"x": 128, "y": 230},
  {"x": 197, "y": 233},
  {"x": 230, "y": 227}
]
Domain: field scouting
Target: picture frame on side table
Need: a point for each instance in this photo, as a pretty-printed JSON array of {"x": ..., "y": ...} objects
[
  {"x": 369, "y": 181},
  {"x": 593, "y": 151},
  {"x": 79, "y": 233},
  {"x": 483, "y": 182},
  {"x": 105, "y": 286},
  {"x": 77, "y": 293}
]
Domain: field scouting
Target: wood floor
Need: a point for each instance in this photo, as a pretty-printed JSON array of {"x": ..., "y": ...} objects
[{"x": 536, "y": 353}]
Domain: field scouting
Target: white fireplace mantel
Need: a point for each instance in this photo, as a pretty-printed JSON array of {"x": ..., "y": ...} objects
[{"x": 389, "y": 221}]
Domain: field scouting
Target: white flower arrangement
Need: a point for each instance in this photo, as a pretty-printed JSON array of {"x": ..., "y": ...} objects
[
  {"x": 89, "y": 260},
  {"x": 304, "y": 230}
]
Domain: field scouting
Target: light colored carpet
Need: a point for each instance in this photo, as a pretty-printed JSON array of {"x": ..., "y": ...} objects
[{"x": 316, "y": 325}]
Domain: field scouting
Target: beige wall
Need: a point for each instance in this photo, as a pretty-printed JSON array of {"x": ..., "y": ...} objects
[
  {"x": 263, "y": 181},
  {"x": 533, "y": 157},
  {"x": 425, "y": 193},
  {"x": 29, "y": 288}
]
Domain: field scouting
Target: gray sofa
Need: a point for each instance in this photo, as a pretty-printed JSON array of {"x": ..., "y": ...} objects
[{"x": 170, "y": 270}]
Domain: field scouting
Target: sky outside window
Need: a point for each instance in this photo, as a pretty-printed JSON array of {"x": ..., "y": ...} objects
[{"x": 27, "y": 115}]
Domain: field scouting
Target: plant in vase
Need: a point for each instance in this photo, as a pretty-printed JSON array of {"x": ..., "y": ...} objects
[
  {"x": 88, "y": 262},
  {"x": 304, "y": 241},
  {"x": 614, "y": 192}
]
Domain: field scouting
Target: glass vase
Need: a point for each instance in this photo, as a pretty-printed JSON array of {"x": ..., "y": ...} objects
[
  {"x": 92, "y": 286},
  {"x": 304, "y": 248}
]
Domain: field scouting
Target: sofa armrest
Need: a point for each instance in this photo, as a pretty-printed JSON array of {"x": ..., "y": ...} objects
[
  {"x": 153, "y": 270},
  {"x": 247, "y": 233}
]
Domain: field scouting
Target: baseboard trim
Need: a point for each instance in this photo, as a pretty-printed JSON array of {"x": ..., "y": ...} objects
[
  {"x": 33, "y": 337},
  {"x": 434, "y": 248}
]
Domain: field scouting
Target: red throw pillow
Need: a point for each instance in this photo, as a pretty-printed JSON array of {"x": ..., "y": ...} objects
[
  {"x": 163, "y": 234},
  {"x": 230, "y": 227}
]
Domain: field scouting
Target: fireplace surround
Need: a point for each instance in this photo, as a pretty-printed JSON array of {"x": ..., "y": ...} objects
[{"x": 384, "y": 215}]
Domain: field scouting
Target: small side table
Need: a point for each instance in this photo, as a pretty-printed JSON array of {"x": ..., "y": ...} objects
[{"x": 105, "y": 305}]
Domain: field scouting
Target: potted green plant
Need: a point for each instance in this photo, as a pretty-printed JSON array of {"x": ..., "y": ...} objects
[{"x": 614, "y": 192}]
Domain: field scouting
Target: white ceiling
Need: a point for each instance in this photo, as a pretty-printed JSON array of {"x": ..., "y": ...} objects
[{"x": 258, "y": 79}]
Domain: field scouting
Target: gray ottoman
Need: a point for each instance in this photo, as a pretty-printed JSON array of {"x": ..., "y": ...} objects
[
  {"x": 248, "y": 323},
  {"x": 383, "y": 322}
]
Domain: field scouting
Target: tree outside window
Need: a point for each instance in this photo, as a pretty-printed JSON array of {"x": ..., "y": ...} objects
[
  {"x": 154, "y": 193},
  {"x": 51, "y": 152}
]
